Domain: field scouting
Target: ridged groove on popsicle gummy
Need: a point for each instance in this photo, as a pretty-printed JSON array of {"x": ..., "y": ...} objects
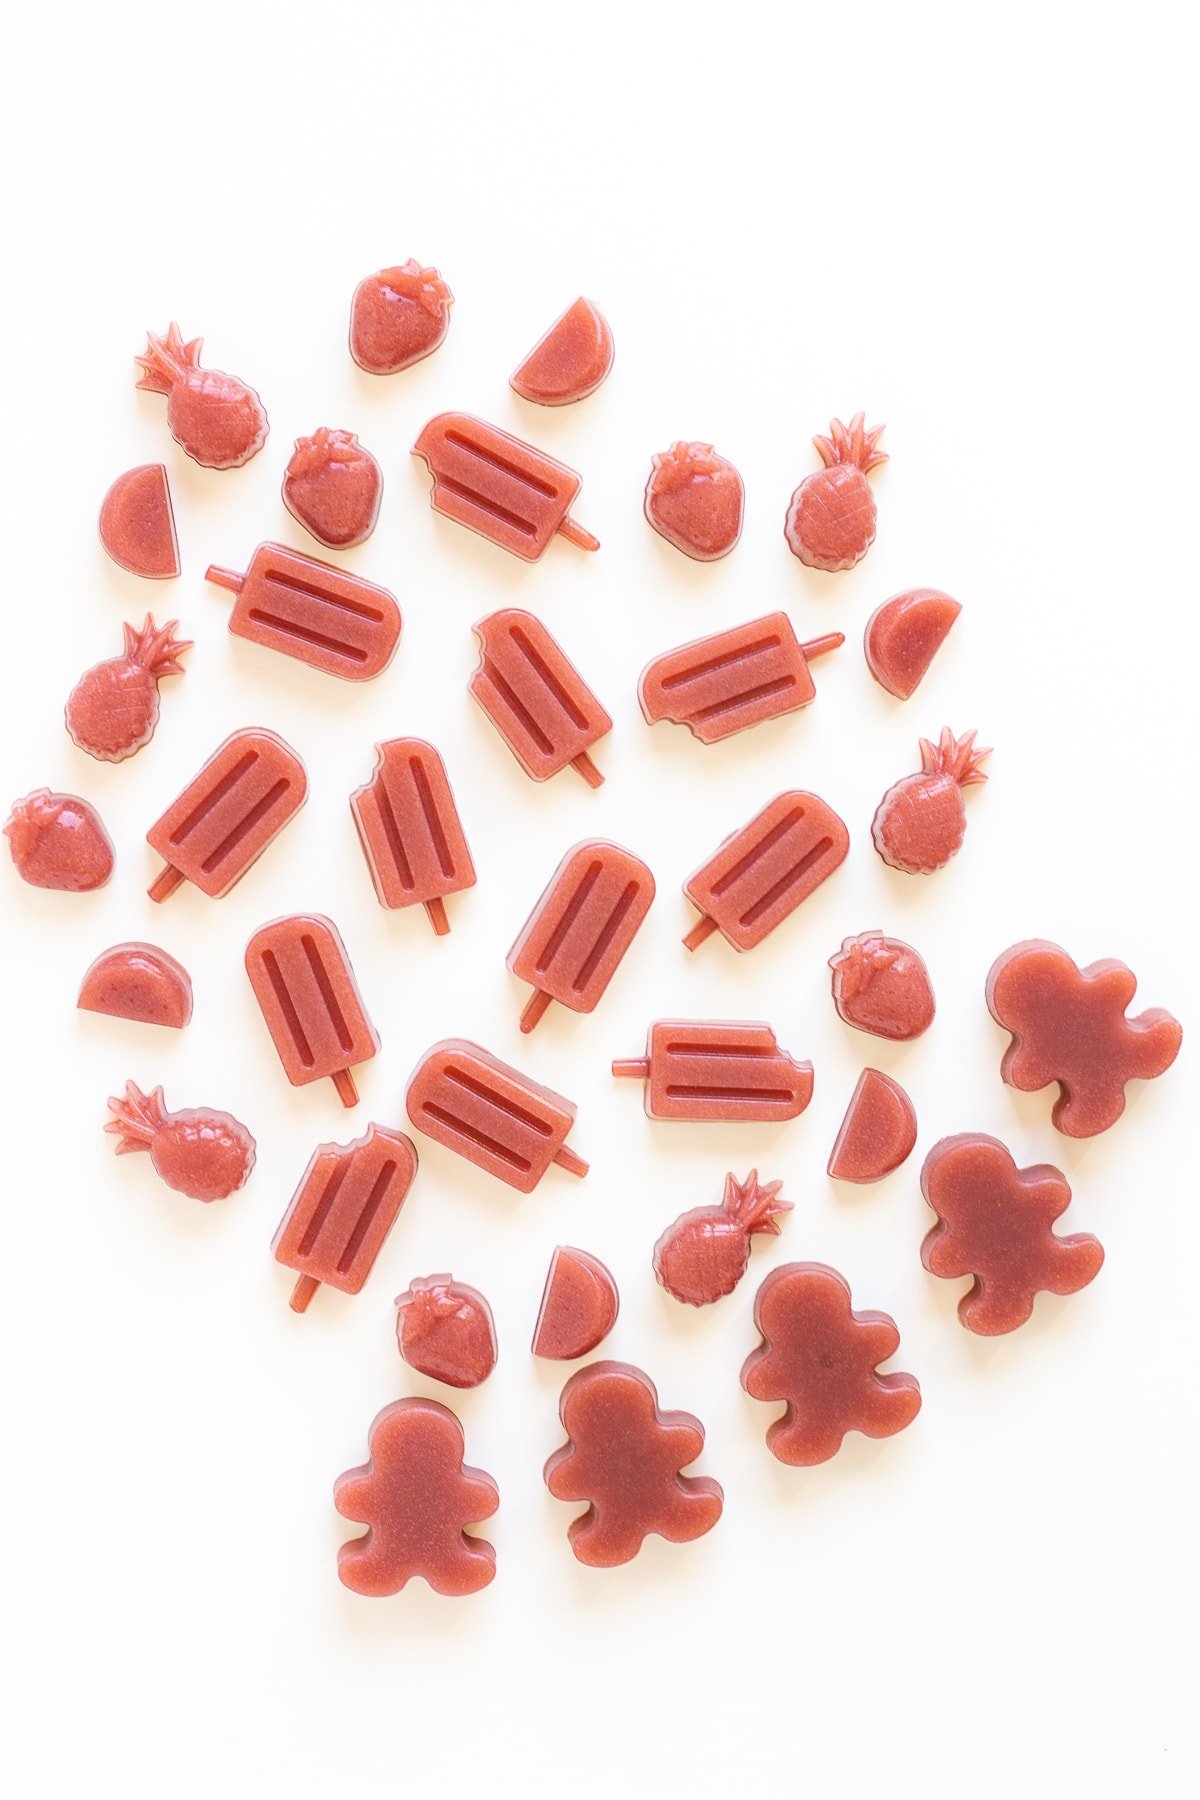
[
  {"x": 245, "y": 826},
  {"x": 366, "y": 1217},
  {"x": 538, "y": 662},
  {"x": 571, "y": 912},
  {"x": 798, "y": 871},
  {"x": 757, "y": 851},
  {"x": 304, "y": 634},
  {"x": 495, "y": 461},
  {"x": 214, "y": 797},
  {"x": 432, "y": 821},
  {"x": 730, "y": 660},
  {"x": 605, "y": 935},
  {"x": 500, "y": 1102},
  {"x": 323, "y": 1207},
  {"x": 320, "y": 975},
  {"x": 288, "y": 1007}
]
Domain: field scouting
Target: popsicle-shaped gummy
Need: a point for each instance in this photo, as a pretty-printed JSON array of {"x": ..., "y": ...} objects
[
  {"x": 537, "y": 700},
  {"x": 576, "y": 935},
  {"x": 725, "y": 683},
  {"x": 514, "y": 1128},
  {"x": 410, "y": 832},
  {"x": 761, "y": 873},
  {"x": 498, "y": 486},
  {"x": 347, "y": 1202},
  {"x": 718, "y": 1069},
  {"x": 304, "y": 984},
  {"x": 325, "y": 617},
  {"x": 224, "y": 819}
]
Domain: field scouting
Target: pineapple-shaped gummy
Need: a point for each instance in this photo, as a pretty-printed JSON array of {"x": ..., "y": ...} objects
[
  {"x": 113, "y": 709},
  {"x": 705, "y": 1253},
  {"x": 920, "y": 821},
  {"x": 215, "y": 418},
  {"x": 200, "y": 1152},
  {"x": 830, "y": 523}
]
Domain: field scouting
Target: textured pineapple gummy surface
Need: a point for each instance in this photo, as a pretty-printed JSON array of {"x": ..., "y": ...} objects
[
  {"x": 445, "y": 1330},
  {"x": 695, "y": 500},
  {"x": 705, "y": 1253},
  {"x": 214, "y": 418},
  {"x": 303, "y": 982},
  {"x": 410, "y": 831},
  {"x": 489, "y": 1113},
  {"x": 225, "y": 818},
  {"x": 718, "y": 1069},
  {"x": 1069, "y": 1026},
  {"x": 397, "y": 316},
  {"x": 579, "y": 1306},
  {"x": 877, "y": 1133},
  {"x": 112, "y": 711},
  {"x": 572, "y": 942},
  {"x": 325, "y": 617},
  {"x": 504, "y": 489},
  {"x": 138, "y": 981},
  {"x": 570, "y": 361},
  {"x": 537, "y": 699},
  {"x": 830, "y": 522},
  {"x": 763, "y": 872},
  {"x": 333, "y": 486},
  {"x": 415, "y": 1496},
  {"x": 198, "y": 1151},
  {"x": 996, "y": 1224},
  {"x": 58, "y": 841},
  {"x": 920, "y": 822},
  {"x": 881, "y": 985},
  {"x": 137, "y": 523},
  {"x": 340, "y": 1215},
  {"x": 821, "y": 1358},
  {"x": 905, "y": 634},
  {"x": 623, "y": 1457},
  {"x": 723, "y": 684}
]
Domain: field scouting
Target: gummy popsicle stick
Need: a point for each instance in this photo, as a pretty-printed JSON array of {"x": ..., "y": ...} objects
[
  {"x": 347, "y": 1202},
  {"x": 325, "y": 617},
  {"x": 514, "y": 1128},
  {"x": 304, "y": 984},
  {"x": 225, "y": 818},
  {"x": 410, "y": 832},
  {"x": 763, "y": 872},
  {"x": 500, "y": 487},
  {"x": 572, "y": 942},
  {"x": 726, "y": 1069},
  {"x": 723, "y": 684},
  {"x": 536, "y": 699}
]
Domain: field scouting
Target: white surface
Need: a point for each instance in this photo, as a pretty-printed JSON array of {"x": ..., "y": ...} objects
[{"x": 969, "y": 226}]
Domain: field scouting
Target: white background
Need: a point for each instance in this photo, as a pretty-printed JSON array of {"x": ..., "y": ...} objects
[{"x": 974, "y": 225}]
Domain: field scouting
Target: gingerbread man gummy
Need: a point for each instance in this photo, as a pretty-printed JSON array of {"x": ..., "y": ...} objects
[
  {"x": 830, "y": 523},
  {"x": 821, "y": 1357},
  {"x": 995, "y": 1223},
  {"x": 415, "y": 1495},
  {"x": 623, "y": 1456},
  {"x": 1069, "y": 1026},
  {"x": 215, "y": 419}
]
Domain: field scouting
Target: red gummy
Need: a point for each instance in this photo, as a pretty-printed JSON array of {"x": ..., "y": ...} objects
[
  {"x": 410, "y": 832},
  {"x": 726, "y": 683},
  {"x": 138, "y": 981},
  {"x": 303, "y": 982},
  {"x": 705, "y": 1253},
  {"x": 224, "y": 819},
  {"x": 830, "y": 523},
  {"x": 214, "y": 418},
  {"x": 333, "y": 487},
  {"x": 323, "y": 616},
  {"x": 760, "y": 874},
  {"x": 995, "y": 1223},
  {"x": 579, "y": 1306},
  {"x": 905, "y": 634},
  {"x": 881, "y": 985},
  {"x": 137, "y": 523},
  {"x": 570, "y": 361},
  {"x": 415, "y": 1495},
  {"x": 537, "y": 700},
  {"x": 198, "y": 1151},
  {"x": 820, "y": 1356},
  {"x": 920, "y": 822},
  {"x": 488, "y": 1112},
  {"x": 623, "y": 1457},
  {"x": 499, "y": 486},
  {"x": 445, "y": 1329},
  {"x": 718, "y": 1069},
  {"x": 877, "y": 1133},
  {"x": 397, "y": 316},
  {"x": 572, "y": 943},
  {"x": 339, "y": 1217},
  {"x": 695, "y": 499},
  {"x": 58, "y": 841},
  {"x": 1069, "y": 1026},
  {"x": 112, "y": 711}
]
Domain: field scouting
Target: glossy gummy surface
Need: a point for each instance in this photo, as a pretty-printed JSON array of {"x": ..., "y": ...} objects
[
  {"x": 579, "y": 1306},
  {"x": 333, "y": 487},
  {"x": 762, "y": 873},
  {"x": 570, "y": 361},
  {"x": 881, "y": 985},
  {"x": 137, "y": 523},
  {"x": 904, "y": 635},
  {"x": 536, "y": 698},
  {"x": 323, "y": 616},
  {"x": 309, "y": 998},
  {"x": 695, "y": 499},
  {"x": 572, "y": 943},
  {"x": 58, "y": 841},
  {"x": 226, "y": 816},
  {"x": 340, "y": 1215},
  {"x": 718, "y": 1069},
  {"x": 499, "y": 486},
  {"x": 410, "y": 831},
  {"x": 138, "y": 981},
  {"x": 445, "y": 1330},
  {"x": 726, "y": 683},
  {"x": 488, "y": 1112},
  {"x": 878, "y": 1132}
]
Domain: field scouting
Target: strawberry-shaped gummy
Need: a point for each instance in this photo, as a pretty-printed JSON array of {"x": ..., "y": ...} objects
[
  {"x": 333, "y": 487},
  {"x": 113, "y": 709},
  {"x": 415, "y": 1496},
  {"x": 995, "y": 1222},
  {"x": 398, "y": 316},
  {"x": 919, "y": 823},
  {"x": 881, "y": 985},
  {"x": 200, "y": 1152},
  {"x": 445, "y": 1330},
  {"x": 57, "y": 841},
  {"x": 705, "y": 1253},
  {"x": 624, "y": 1457},
  {"x": 695, "y": 499},
  {"x": 830, "y": 523},
  {"x": 820, "y": 1356},
  {"x": 215, "y": 418}
]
